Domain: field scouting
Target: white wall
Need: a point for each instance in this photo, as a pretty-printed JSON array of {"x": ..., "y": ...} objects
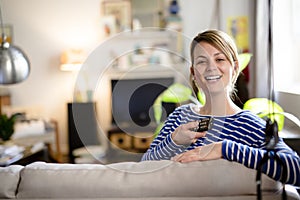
[{"x": 43, "y": 29}]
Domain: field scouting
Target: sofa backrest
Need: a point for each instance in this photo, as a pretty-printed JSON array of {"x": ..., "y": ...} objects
[{"x": 141, "y": 179}]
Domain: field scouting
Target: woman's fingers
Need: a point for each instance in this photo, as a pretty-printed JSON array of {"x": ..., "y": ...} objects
[
  {"x": 200, "y": 134},
  {"x": 193, "y": 126},
  {"x": 208, "y": 152},
  {"x": 197, "y": 135},
  {"x": 189, "y": 156},
  {"x": 186, "y": 133}
]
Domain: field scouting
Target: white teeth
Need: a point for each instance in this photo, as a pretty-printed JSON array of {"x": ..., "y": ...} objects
[{"x": 209, "y": 78}]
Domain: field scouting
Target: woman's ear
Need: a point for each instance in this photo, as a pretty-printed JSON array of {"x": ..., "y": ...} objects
[
  {"x": 236, "y": 65},
  {"x": 236, "y": 68}
]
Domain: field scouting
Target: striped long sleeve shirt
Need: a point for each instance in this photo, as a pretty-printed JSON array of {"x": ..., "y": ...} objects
[{"x": 243, "y": 141}]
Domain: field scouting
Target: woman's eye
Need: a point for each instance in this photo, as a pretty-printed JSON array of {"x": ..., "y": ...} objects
[
  {"x": 200, "y": 62},
  {"x": 220, "y": 59}
]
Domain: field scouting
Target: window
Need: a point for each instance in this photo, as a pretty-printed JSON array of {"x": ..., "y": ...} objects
[{"x": 286, "y": 46}]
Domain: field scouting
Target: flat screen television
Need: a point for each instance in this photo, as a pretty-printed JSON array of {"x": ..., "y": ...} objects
[{"x": 132, "y": 101}]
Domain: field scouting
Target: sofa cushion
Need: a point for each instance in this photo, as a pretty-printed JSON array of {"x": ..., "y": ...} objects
[
  {"x": 139, "y": 179},
  {"x": 9, "y": 177}
]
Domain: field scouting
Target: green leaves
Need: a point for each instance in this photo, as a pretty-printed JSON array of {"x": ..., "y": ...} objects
[{"x": 6, "y": 126}]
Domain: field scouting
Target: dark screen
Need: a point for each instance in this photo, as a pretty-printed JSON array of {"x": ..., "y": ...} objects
[{"x": 132, "y": 100}]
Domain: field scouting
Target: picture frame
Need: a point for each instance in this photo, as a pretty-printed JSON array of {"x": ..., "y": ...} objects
[
  {"x": 8, "y": 30},
  {"x": 120, "y": 10}
]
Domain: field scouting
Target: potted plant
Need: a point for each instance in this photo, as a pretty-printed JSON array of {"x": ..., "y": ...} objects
[{"x": 7, "y": 126}]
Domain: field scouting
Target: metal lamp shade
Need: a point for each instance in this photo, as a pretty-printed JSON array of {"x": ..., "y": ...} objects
[{"x": 14, "y": 65}]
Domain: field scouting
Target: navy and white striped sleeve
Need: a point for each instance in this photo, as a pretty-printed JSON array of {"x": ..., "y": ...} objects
[
  {"x": 250, "y": 157},
  {"x": 164, "y": 150},
  {"x": 163, "y": 147}
]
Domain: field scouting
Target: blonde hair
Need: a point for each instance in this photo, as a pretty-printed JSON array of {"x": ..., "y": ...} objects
[{"x": 221, "y": 41}]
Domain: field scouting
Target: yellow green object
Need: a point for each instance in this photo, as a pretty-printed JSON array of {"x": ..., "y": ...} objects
[
  {"x": 176, "y": 93},
  {"x": 244, "y": 59},
  {"x": 266, "y": 108}
]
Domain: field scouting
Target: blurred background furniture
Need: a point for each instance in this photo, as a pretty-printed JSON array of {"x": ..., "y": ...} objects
[
  {"x": 84, "y": 143},
  {"x": 27, "y": 148}
]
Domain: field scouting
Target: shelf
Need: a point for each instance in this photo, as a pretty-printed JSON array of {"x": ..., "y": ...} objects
[
  {"x": 148, "y": 33},
  {"x": 134, "y": 141}
]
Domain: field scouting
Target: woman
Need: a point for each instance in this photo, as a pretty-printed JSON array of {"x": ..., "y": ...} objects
[{"x": 234, "y": 134}]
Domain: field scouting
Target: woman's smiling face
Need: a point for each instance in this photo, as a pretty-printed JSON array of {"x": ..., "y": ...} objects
[{"x": 211, "y": 69}]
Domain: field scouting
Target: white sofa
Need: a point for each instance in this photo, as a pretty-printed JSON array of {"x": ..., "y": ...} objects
[{"x": 149, "y": 180}]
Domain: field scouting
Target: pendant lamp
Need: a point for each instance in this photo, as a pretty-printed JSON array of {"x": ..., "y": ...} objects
[{"x": 14, "y": 64}]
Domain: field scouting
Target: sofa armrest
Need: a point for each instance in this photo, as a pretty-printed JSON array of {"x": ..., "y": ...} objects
[{"x": 9, "y": 177}]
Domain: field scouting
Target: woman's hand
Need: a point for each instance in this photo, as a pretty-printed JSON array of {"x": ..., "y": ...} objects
[
  {"x": 208, "y": 152},
  {"x": 185, "y": 134}
]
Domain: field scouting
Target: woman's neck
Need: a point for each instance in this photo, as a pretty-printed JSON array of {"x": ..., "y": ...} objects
[{"x": 220, "y": 105}]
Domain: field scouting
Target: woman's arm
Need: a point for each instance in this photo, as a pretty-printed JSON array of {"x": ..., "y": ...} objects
[
  {"x": 251, "y": 157},
  {"x": 163, "y": 147},
  {"x": 211, "y": 151},
  {"x": 177, "y": 134}
]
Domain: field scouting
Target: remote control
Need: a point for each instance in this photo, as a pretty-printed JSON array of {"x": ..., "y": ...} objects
[{"x": 204, "y": 124}]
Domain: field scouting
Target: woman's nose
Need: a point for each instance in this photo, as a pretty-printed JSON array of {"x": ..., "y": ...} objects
[{"x": 211, "y": 66}]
